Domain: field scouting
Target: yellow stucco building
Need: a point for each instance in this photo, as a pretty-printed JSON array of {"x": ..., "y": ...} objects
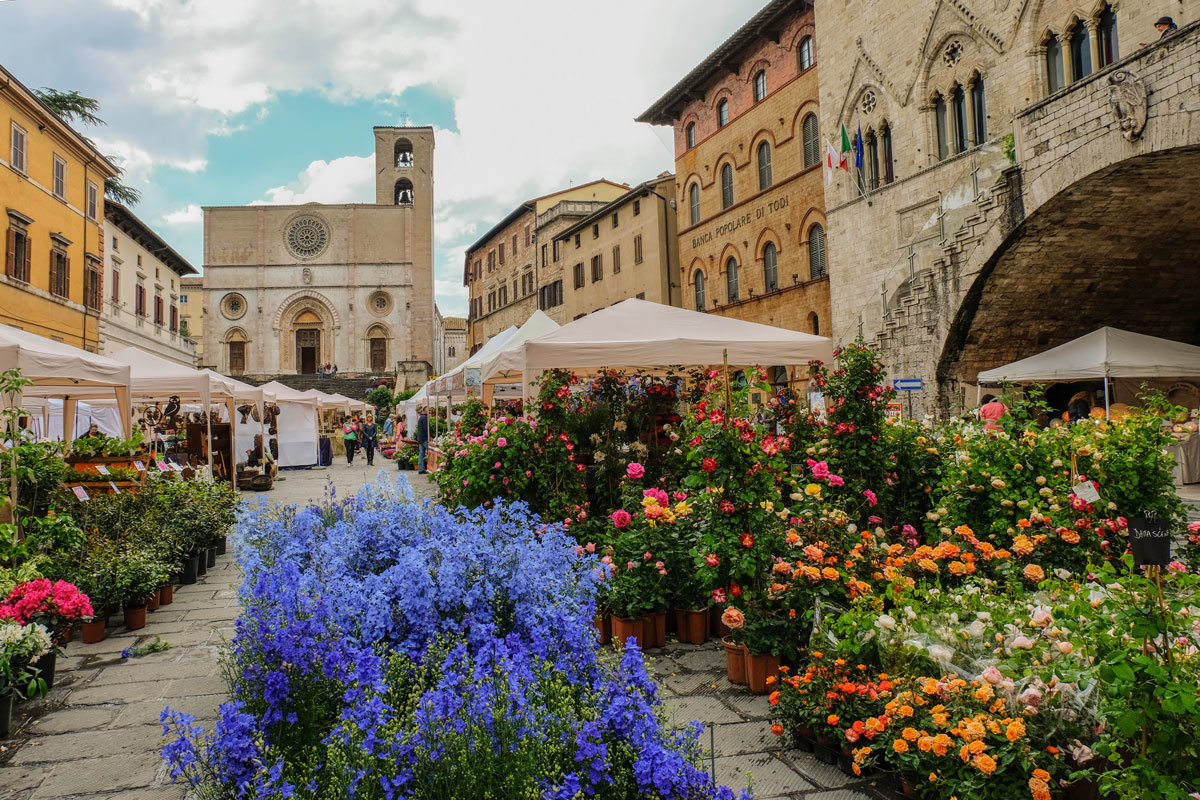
[{"x": 52, "y": 202}]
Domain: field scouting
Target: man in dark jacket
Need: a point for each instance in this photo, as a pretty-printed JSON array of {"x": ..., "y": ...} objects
[{"x": 422, "y": 439}]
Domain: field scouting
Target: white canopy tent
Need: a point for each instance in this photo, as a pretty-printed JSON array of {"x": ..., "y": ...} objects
[
  {"x": 297, "y": 425},
  {"x": 60, "y": 370},
  {"x": 537, "y": 325},
  {"x": 1100, "y": 355},
  {"x": 640, "y": 334},
  {"x": 455, "y": 381}
]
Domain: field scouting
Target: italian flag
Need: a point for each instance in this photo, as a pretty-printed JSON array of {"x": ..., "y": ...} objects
[{"x": 844, "y": 162}]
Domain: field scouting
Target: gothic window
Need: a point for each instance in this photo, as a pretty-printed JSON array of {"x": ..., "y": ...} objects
[
  {"x": 723, "y": 113},
  {"x": 770, "y": 267},
  {"x": 700, "y": 306},
  {"x": 1106, "y": 33},
  {"x": 943, "y": 126},
  {"x": 1055, "y": 79},
  {"x": 731, "y": 279},
  {"x": 764, "y": 166},
  {"x": 726, "y": 186},
  {"x": 1081, "y": 52},
  {"x": 760, "y": 86},
  {"x": 404, "y": 192},
  {"x": 690, "y": 134},
  {"x": 805, "y": 51},
  {"x": 404, "y": 153},
  {"x": 694, "y": 203},
  {"x": 814, "y": 323},
  {"x": 958, "y": 102},
  {"x": 812, "y": 145},
  {"x": 979, "y": 110},
  {"x": 816, "y": 253},
  {"x": 871, "y": 159},
  {"x": 885, "y": 145}
]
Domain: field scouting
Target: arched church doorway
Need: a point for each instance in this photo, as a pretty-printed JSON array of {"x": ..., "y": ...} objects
[{"x": 308, "y": 343}]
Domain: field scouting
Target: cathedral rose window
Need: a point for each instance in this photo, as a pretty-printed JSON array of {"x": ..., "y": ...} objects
[{"x": 307, "y": 237}]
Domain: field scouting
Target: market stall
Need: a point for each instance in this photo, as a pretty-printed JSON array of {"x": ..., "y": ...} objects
[{"x": 298, "y": 430}]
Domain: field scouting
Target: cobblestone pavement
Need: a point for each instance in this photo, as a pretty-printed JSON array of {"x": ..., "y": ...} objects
[
  {"x": 739, "y": 749},
  {"x": 311, "y": 485},
  {"x": 97, "y": 734}
]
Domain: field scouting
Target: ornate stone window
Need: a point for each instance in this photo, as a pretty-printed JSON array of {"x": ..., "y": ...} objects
[
  {"x": 1055, "y": 77},
  {"x": 233, "y": 306},
  {"x": 694, "y": 203},
  {"x": 379, "y": 303},
  {"x": 1081, "y": 52},
  {"x": 953, "y": 53},
  {"x": 869, "y": 101},
  {"x": 307, "y": 237},
  {"x": 1106, "y": 35}
]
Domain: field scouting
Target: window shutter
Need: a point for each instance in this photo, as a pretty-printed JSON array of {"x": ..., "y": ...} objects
[
  {"x": 66, "y": 287},
  {"x": 27, "y": 275},
  {"x": 10, "y": 261}
]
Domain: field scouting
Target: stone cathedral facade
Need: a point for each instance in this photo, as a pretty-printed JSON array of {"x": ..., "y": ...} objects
[{"x": 289, "y": 288}]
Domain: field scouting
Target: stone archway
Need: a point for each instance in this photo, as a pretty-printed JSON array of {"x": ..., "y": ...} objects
[{"x": 305, "y": 328}]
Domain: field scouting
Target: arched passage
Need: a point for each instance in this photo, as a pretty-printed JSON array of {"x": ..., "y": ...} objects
[{"x": 1116, "y": 248}]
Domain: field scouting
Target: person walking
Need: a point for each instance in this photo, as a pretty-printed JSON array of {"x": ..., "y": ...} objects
[
  {"x": 991, "y": 412},
  {"x": 350, "y": 436},
  {"x": 369, "y": 432},
  {"x": 422, "y": 439},
  {"x": 335, "y": 370},
  {"x": 389, "y": 428}
]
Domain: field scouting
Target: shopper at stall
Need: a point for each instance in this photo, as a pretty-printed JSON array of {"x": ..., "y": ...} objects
[
  {"x": 350, "y": 437},
  {"x": 422, "y": 439},
  {"x": 369, "y": 432}
]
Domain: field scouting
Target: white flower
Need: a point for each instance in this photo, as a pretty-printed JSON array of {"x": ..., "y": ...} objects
[
  {"x": 908, "y": 612},
  {"x": 941, "y": 653},
  {"x": 886, "y": 622},
  {"x": 976, "y": 629},
  {"x": 1062, "y": 574}
]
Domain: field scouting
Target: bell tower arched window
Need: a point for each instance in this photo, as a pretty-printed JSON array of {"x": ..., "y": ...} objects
[
  {"x": 694, "y": 203},
  {"x": 404, "y": 153},
  {"x": 814, "y": 323},
  {"x": 885, "y": 146},
  {"x": 404, "y": 192},
  {"x": 731, "y": 279},
  {"x": 812, "y": 146},
  {"x": 764, "y": 166},
  {"x": 942, "y": 123},
  {"x": 871, "y": 159},
  {"x": 700, "y": 304},
  {"x": 770, "y": 267},
  {"x": 958, "y": 103},
  {"x": 760, "y": 86},
  {"x": 726, "y": 186}
]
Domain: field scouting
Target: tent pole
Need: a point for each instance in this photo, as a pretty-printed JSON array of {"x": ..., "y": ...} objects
[
  {"x": 1106, "y": 394},
  {"x": 728, "y": 394},
  {"x": 978, "y": 392}
]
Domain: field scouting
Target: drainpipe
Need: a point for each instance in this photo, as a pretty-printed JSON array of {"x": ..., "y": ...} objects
[{"x": 667, "y": 242}]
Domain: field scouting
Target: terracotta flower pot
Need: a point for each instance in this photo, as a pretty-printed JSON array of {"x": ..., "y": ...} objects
[
  {"x": 658, "y": 622},
  {"x": 152, "y": 601},
  {"x": 677, "y": 622},
  {"x": 622, "y": 629},
  {"x": 719, "y": 629},
  {"x": 735, "y": 661},
  {"x": 758, "y": 668},
  {"x": 166, "y": 594},
  {"x": 603, "y": 626},
  {"x": 135, "y": 617},
  {"x": 908, "y": 786},
  {"x": 93, "y": 631},
  {"x": 68, "y": 633},
  {"x": 697, "y": 626}
]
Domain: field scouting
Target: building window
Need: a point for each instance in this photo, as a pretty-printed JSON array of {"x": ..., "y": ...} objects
[
  {"x": 1055, "y": 79},
  {"x": 17, "y": 254},
  {"x": 637, "y": 207},
  {"x": 885, "y": 141},
  {"x": 764, "y": 166},
  {"x": 1081, "y": 52},
  {"x": 958, "y": 102},
  {"x": 503, "y": 296},
  {"x": 816, "y": 253},
  {"x": 579, "y": 276},
  {"x": 60, "y": 178},
  {"x": 577, "y": 241},
  {"x": 814, "y": 323},
  {"x": 139, "y": 300},
  {"x": 116, "y": 286},
  {"x": 491, "y": 260},
  {"x": 501, "y": 251},
  {"x": 93, "y": 201},
  {"x": 760, "y": 86},
  {"x": 726, "y": 186},
  {"x": 19, "y": 151},
  {"x": 116, "y": 248},
  {"x": 1106, "y": 33},
  {"x": 943, "y": 132},
  {"x": 545, "y": 252},
  {"x": 597, "y": 268},
  {"x": 596, "y": 231},
  {"x": 556, "y": 250},
  {"x": 770, "y": 267},
  {"x": 723, "y": 113},
  {"x": 527, "y": 236},
  {"x": 640, "y": 295},
  {"x": 700, "y": 305},
  {"x": 551, "y": 295},
  {"x": 694, "y": 203},
  {"x": 979, "y": 110},
  {"x": 690, "y": 135},
  {"x": 60, "y": 273},
  {"x": 637, "y": 249},
  {"x": 403, "y": 194},
  {"x": 731, "y": 279},
  {"x": 174, "y": 318},
  {"x": 871, "y": 159},
  {"x": 91, "y": 285},
  {"x": 614, "y": 220},
  {"x": 616, "y": 258},
  {"x": 812, "y": 144},
  {"x": 806, "y": 53},
  {"x": 514, "y": 246},
  {"x": 158, "y": 309}
]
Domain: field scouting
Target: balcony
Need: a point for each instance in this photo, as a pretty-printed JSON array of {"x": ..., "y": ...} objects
[{"x": 569, "y": 208}]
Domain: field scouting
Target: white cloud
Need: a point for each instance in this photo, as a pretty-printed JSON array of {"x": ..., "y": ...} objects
[
  {"x": 545, "y": 91},
  {"x": 189, "y": 215}
]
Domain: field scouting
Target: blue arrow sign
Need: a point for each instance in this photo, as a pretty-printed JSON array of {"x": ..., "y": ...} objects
[{"x": 908, "y": 384}]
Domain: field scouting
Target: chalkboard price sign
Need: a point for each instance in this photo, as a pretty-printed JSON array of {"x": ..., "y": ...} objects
[{"x": 1151, "y": 541}]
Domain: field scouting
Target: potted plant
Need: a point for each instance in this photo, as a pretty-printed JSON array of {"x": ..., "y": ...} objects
[
  {"x": 763, "y": 634},
  {"x": 55, "y": 605},
  {"x": 735, "y": 651},
  {"x": 137, "y": 575},
  {"x": 21, "y": 646}
]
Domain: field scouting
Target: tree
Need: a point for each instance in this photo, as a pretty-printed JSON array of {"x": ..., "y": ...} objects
[{"x": 72, "y": 106}]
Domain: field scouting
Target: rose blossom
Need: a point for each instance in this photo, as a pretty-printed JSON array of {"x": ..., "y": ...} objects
[
  {"x": 502, "y": 442},
  {"x": 993, "y": 676},
  {"x": 1066, "y": 648},
  {"x": 718, "y": 595},
  {"x": 712, "y": 559},
  {"x": 733, "y": 618},
  {"x": 621, "y": 518},
  {"x": 635, "y": 470},
  {"x": 1022, "y": 643}
]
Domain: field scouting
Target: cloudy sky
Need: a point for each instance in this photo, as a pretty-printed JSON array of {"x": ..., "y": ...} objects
[{"x": 229, "y": 102}]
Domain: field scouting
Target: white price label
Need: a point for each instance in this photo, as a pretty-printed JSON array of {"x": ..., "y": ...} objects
[
  {"x": 103, "y": 470},
  {"x": 1086, "y": 492}
]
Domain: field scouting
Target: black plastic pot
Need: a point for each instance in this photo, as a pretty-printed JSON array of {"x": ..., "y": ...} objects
[
  {"x": 191, "y": 568},
  {"x": 6, "y": 707},
  {"x": 222, "y": 545},
  {"x": 201, "y": 562},
  {"x": 45, "y": 666},
  {"x": 210, "y": 557}
]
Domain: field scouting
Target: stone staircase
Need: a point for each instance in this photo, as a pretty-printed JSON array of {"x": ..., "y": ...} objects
[{"x": 354, "y": 388}]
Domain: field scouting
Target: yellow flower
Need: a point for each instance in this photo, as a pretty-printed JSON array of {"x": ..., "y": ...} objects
[{"x": 812, "y": 490}]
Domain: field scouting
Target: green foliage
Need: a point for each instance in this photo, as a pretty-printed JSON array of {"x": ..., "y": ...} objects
[{"x": 381, "y": 397}]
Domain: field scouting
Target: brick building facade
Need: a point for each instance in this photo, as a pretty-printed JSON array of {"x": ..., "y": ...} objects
[{"x": 750, "y": 204}]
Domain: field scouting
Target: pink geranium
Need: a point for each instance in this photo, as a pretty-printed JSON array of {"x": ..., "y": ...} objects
[
  {"x": 42, "y": 599},
  {"x": 635, "y": 470}
]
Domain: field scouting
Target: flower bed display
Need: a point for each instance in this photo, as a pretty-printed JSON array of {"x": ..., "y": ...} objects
[{"x": 389, "y": 650}]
